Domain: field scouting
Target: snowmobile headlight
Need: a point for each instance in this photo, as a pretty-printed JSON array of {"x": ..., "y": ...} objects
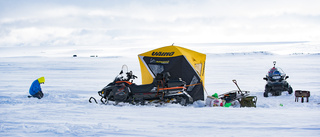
[{"x": 276, "y": 77}]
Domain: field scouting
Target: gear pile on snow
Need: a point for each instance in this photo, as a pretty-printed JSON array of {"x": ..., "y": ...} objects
[{"x": 232, "y": 98}]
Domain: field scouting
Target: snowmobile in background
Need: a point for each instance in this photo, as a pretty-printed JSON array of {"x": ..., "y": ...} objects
[
  {"x": 276, "y": 82},
  {"x": 162, "y": 90}
]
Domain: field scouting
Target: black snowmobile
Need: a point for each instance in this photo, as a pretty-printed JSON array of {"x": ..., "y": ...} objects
[
  {"x": 162, "y": 90},
  {"x": 276, "y": 82}
]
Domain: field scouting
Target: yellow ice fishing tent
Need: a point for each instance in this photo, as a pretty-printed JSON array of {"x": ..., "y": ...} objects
[{"x": 180, "y": 62}]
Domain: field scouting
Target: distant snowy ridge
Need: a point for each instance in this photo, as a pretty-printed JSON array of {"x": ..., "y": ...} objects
[
  {"x": 305, "y": 54},
  {"x": 273, "y": 48},
  {"x": 251, "y": 53},
  {"x": 258, "y": 53}
]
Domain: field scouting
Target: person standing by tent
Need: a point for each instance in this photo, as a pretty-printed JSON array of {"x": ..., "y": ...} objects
[{"x": 35, "y": 89}]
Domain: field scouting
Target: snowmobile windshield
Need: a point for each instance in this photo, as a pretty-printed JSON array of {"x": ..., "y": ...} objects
[
  {"x": 120, "y": 77},
  {"x": 276, "y": 73}
]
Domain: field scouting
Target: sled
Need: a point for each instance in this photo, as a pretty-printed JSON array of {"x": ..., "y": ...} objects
[{"x": 239, "y": 96}]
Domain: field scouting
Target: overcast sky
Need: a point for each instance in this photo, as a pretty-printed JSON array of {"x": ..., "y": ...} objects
[{"x": 112, "y": 22}]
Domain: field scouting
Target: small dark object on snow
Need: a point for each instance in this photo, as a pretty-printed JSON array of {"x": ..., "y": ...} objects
[
  {"x": 75, "y": 56},
  {"x": 302, "y": 94}
]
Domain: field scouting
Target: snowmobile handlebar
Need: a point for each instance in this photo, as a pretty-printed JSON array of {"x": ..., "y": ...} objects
[{"x": 131, "y": 76}]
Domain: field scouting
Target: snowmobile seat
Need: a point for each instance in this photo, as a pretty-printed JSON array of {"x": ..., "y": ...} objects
[{"x": 142, "y": 88}]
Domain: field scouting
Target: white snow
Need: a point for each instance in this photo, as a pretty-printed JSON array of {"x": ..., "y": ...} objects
[{"x": 65, "y": 110}]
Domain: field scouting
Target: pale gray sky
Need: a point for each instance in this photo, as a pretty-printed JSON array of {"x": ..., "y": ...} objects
[{"x": 101, "y": 23}]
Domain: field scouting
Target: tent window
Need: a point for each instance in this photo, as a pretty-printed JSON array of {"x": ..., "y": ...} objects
[
  {"x": 156, "y": 68},
  {"x": 198, "y": 68}
]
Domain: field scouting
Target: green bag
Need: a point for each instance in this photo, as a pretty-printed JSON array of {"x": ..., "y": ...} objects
[
  {"x": 227, "y": 105},
  {"x": 249, "y": 101}
]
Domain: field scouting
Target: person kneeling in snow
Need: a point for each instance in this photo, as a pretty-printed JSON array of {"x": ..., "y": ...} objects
[{"x": 35, "y": 89}]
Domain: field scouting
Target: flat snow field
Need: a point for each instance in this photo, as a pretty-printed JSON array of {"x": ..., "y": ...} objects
[{"x": 65, "y": 110}]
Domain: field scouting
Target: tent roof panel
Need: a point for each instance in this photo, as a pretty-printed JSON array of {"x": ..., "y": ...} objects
[{"x": 173, "y": 51}]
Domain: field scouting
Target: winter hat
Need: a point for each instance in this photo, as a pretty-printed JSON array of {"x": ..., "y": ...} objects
[
  {"x": 215, "y": 95},
  {"x": 41, "y": 80}
]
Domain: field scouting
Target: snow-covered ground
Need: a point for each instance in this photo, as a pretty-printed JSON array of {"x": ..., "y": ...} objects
[{"x": 65, "y": 110}]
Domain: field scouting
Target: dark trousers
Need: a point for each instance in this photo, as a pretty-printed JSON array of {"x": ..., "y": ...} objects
[{"x": 38, "y": 95}]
